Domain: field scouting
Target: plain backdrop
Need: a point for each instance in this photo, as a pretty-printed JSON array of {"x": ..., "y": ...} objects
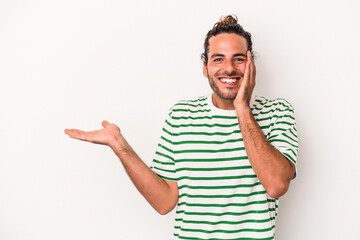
[{"x": 73, "y": 63}]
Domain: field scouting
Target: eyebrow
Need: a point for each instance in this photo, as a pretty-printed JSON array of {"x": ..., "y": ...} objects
[
  {"x": 240, "y": 55},
  {"x": 217, "y": 55},
  {"x": 222, "y": 55}
]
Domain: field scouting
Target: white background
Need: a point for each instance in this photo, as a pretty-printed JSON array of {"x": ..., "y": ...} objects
[{"x": 71, "y": 64}]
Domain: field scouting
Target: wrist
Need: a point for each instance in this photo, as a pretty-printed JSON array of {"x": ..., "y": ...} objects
[
  {"x": 118, "y": 143},
  {"x": 242, "y": 107}
]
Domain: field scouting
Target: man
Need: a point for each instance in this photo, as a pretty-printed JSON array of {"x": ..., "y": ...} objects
[{"x": 222, "y": 159}]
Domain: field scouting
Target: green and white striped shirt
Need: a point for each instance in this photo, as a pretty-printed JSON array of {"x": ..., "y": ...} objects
[{"x": 201, "y": 148}]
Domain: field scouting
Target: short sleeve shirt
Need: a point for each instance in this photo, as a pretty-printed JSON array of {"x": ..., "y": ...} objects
[{"x": 220, "y": 197}]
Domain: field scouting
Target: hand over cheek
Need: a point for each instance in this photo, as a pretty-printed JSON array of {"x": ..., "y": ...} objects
[{"x": 247, "y": 84}]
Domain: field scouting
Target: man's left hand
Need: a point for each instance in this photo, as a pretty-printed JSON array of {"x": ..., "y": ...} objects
[{"x": 247, "y": 85}]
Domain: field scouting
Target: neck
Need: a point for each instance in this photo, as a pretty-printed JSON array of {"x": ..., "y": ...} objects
[{"x": 226, "y": 104}]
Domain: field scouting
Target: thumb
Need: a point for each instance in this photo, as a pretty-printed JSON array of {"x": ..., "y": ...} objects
[{"x": 105, "y": 123}]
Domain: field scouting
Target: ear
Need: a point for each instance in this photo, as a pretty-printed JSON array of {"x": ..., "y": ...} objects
[{"x": 205, "y": 69}]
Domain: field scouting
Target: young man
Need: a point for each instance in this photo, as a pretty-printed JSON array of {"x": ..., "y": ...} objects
[{"x": 222, "y": 159}]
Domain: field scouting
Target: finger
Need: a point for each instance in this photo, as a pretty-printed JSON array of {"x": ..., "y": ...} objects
[
  {"x": 105, "y": 123},
  {"x": 252, "y": 69},
  {"x": 253, "y": 73},
  {"x": 69, "y": 131},
  {"x": 249, "y": 57},
  {"x": 75, "y": 133},
  {"x": 247, "y": 67}
]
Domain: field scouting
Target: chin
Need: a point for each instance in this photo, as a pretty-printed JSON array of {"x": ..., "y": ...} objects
[
  {"x": 230, "y": 95},
  {"x": 227, "y": 96},
  {"x": 232, "y": 98},
  {"x": 225, "y": 93}
]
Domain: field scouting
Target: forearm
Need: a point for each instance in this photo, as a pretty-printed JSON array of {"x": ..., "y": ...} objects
[
  {"x": 271, "y": 167},
  {"x": 162, "y": 195}
]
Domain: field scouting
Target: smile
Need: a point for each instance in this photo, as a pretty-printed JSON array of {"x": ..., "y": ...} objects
[{"x": 229, "y": 80}]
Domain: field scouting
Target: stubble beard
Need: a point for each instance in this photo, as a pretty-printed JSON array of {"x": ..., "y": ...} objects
[{"x": 215, "y": 88}]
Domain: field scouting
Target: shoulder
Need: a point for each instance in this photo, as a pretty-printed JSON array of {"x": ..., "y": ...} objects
[
  {"x": 280, "y": 104},
  {"x": 191, "y": 103},
  {"x": 199, "y": 104}
]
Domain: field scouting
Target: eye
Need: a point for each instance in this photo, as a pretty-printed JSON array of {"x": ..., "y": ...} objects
[
  {"x": 239, "y": 60},
  {"x": 217, "y": 59}
]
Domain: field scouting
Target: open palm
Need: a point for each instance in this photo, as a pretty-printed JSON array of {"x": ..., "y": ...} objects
[{"x": 105, "y": 136}]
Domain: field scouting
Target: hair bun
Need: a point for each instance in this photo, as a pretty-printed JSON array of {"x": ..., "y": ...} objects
[{"x": 229, "y": 19}]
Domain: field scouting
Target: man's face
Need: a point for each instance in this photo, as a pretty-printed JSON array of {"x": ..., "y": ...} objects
[{"x": 226, "y": 65}]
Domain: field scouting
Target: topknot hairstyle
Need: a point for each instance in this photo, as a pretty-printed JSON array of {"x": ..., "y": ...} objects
[{"x": 227, "y": 24}]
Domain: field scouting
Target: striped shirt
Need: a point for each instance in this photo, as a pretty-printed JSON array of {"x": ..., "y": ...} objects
[{"x": 220, "y": 196}]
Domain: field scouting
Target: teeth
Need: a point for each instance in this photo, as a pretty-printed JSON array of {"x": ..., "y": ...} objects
[{"x": 228, "y": 80}]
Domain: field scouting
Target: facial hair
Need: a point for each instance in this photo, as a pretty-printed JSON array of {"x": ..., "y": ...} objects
[{"x": 215, "y": 88}]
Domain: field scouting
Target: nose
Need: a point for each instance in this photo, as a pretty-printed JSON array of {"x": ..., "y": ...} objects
[{"x": 229, "y": 67}]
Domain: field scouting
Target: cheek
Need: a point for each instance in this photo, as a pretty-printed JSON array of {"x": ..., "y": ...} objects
[
  {"x": 213, "y": 70},
  {"x": 242, "y": 67}
]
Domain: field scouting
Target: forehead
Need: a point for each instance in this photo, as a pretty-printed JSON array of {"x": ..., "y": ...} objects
[{"x": 227, "y": 43}]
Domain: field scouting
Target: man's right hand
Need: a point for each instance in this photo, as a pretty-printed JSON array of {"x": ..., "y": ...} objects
[{"x": 107, "y": 135}]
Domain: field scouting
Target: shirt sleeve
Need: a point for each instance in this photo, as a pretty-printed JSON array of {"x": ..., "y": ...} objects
[
  {"x": 283, "y": 133},
  {"x": 163, "y": 163}
]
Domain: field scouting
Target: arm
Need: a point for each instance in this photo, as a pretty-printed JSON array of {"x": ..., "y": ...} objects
[
  {"x": 161, "y": 194},
  {"x": 271, "y": 167}
]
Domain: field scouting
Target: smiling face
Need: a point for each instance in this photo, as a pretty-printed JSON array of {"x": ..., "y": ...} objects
[{"x": 225, "y": 67}]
